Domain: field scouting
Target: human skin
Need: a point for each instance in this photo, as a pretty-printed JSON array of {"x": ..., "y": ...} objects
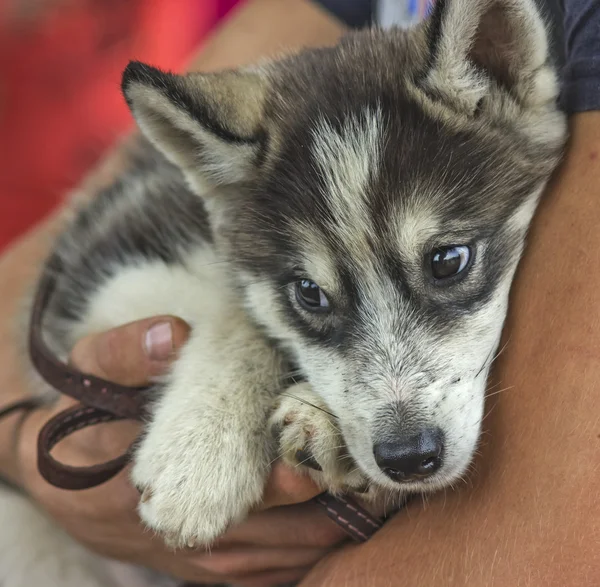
[{"x": 530, "y": 513}]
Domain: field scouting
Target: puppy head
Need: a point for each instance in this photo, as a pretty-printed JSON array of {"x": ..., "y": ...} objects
[{"x": 374, "y": 199}]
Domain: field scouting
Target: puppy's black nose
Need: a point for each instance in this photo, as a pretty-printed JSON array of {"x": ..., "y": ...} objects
[{"x": 411, "y": 458}]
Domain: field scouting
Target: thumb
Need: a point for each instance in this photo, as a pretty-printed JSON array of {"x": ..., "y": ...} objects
[{"x": 131, "y": 354}]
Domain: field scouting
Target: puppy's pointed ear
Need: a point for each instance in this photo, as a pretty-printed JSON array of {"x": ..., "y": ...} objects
[
  {"x": 475, "y": 44},
  {"x": 209, "y": 125}
]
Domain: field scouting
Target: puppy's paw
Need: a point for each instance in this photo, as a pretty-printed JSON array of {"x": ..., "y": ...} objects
[
  {"x": 195, "y": 487},
  {"x": 309, "y": 437}
]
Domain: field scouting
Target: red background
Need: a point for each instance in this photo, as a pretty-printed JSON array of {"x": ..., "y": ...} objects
[{"x": 60, "y": 104}]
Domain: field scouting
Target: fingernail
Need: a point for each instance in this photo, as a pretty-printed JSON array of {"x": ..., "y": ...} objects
[{"x": 159, "y": 341}]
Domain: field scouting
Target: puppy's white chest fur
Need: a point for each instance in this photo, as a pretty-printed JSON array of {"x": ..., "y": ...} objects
[{"x": 198, "y": 290}]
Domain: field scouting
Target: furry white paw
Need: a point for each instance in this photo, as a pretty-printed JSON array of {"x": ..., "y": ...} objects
[
  {"x": 309, "y": 437},
  {"x": 193, "y": 492}
]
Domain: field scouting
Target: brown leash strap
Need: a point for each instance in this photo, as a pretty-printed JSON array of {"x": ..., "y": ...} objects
[
  {"x": 65, "y": 476},
  {"x": 359, "y": 524},
  {"x": 125, "y": 402},
  {"x": 103, "y": 401}
]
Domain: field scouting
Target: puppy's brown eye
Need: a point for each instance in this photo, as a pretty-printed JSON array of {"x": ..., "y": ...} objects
[
  {"x": 447, "y": 262},
  {"x": 311, "y": 297}
]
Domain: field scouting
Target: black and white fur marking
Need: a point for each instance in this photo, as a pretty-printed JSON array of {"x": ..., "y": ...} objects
[{"x": 349, "y": 167}]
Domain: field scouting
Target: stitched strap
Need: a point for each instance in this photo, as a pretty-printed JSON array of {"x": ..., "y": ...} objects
[
  {"x": 357, "y": 522},
  {"x": 125, "y": 402},
  {"x": 61, "y": 426},
  {"x": 102, "y": 400}
]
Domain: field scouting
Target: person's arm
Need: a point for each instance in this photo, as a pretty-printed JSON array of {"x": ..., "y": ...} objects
[{"x": 530, "y": 513}]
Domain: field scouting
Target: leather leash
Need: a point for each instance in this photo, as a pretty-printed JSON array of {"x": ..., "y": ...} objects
[{"x": 103, "y": 401}]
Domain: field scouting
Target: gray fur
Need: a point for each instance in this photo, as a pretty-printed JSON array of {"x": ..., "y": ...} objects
[{"x": 347, "y": 166}]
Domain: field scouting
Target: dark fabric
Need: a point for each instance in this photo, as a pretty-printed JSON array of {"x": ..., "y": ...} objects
[
  {"x": 553, "y": 13},
  {"x": 354, "y": 13},
  {"x": 581, "y": 78}
]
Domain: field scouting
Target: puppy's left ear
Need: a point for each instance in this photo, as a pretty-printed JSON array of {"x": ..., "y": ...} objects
[
  {"x": 477, "y": 44},
  {"x": 209, "y": 125}
]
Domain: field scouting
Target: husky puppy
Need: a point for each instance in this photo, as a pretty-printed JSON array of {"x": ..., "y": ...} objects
[{"x": 355, "y": 214}]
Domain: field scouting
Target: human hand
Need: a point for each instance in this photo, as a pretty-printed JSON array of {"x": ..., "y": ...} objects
[{"x": 278, "y": 544}]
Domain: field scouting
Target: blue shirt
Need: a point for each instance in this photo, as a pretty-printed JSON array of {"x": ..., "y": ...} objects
[{"x": 581, "y": 75}]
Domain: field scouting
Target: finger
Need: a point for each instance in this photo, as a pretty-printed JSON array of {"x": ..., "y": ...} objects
[
  {"x": 293, "y": 526},
  {"x": 228, "y": 563},
  {"x": 287, "y": 486},
  {"x": 134, "y": 353}
]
